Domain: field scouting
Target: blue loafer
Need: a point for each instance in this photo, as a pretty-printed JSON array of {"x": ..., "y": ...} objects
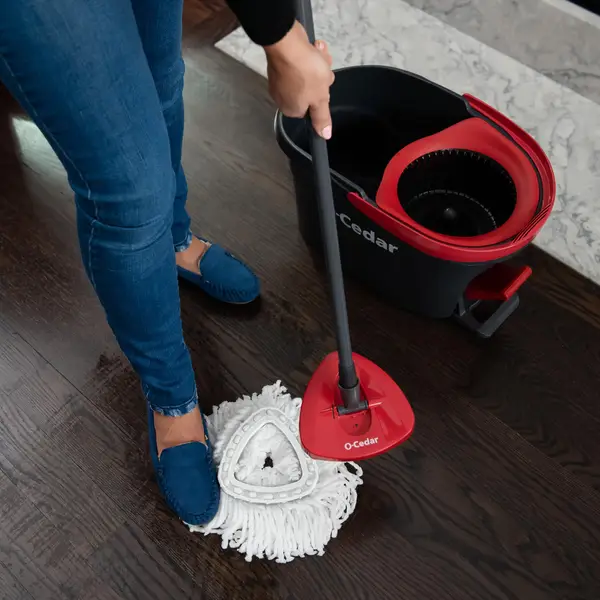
[
  {"x": 223, "y": 277},
  {"x": 186, "y": 477}
]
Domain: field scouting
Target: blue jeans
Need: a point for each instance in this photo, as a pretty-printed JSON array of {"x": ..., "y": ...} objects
[{"x": 103, "y": 80}]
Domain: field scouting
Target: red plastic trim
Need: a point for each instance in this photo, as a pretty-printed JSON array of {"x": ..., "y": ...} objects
[
  {"x": 529, "y": 145},
  {"x": 478, "y": 136}
]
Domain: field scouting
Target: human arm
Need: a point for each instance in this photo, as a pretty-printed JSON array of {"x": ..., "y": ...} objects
[{"x": 299, "y": 73}]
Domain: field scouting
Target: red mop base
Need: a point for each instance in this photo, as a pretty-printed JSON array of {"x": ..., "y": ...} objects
[{"x": 325, "y": 434}]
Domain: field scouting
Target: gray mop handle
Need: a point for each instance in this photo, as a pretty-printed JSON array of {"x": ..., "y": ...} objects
[{"x": 320, "y": 158}]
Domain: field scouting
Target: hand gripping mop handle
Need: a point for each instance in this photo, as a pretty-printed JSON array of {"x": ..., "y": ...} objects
[{"x": 348, "y": 379}]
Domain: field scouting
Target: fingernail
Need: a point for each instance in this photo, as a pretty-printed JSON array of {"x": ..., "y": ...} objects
[
  {"x": 326, "y": 133},
  {"x": 320, "y": 45}
]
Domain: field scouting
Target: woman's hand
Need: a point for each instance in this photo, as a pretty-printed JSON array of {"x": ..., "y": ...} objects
[{"x": 300, "y": 76}]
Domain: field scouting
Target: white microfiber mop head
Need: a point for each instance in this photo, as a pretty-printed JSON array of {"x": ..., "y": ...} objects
[{"x": 276, "y": 501}]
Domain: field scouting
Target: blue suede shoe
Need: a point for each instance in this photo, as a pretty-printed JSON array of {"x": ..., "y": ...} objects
[
  {"x": 186, "y": 477},
  {"x": 223, "y": 277}
]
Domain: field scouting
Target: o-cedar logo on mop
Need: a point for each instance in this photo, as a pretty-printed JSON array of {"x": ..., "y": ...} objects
[
  {"x": 361, "y": 444},
  {"x": 368, "y": 234}
]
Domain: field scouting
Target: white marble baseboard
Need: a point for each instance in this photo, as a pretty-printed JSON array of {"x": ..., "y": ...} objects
[
  {"x": 566, "y": 124},
  {"x": 570, "y": 8}
]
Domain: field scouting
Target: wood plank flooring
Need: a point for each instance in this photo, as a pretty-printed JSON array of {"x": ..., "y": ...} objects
[{"x": 496, "y": 497}]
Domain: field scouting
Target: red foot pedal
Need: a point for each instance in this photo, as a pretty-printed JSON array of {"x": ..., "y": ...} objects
[{"x": 500, "y": 282}]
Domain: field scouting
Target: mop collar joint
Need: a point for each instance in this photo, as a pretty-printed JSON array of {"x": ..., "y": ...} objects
[{"x": 352, "y": 398}]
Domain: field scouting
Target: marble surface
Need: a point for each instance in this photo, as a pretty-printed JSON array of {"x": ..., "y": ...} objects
[
  {"x": 565, "y": 123},
  {"x": 556, "y": 38}
]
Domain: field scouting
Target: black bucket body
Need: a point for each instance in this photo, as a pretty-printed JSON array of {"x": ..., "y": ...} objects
[{"x": 420, "y": 234}]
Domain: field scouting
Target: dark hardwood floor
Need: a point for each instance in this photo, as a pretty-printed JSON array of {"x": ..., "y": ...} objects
[{"x": 496, "y": 497}]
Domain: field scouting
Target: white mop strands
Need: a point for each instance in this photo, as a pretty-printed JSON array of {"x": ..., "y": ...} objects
[{"x": 276, "y": 501}]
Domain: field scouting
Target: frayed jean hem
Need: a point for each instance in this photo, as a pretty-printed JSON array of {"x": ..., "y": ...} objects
[
  {"x": 185, "y": 244},
  {"x": 176, "y": 411}
]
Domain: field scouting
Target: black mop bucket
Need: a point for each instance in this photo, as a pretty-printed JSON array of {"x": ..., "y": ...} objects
[{"x": 434, "y": 192}]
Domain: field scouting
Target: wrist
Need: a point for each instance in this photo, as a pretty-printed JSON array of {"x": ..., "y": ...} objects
[{"x": 290, "y": 45}]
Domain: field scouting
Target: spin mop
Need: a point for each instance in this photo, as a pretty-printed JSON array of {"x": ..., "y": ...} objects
[{"x": 285, "y": 465}]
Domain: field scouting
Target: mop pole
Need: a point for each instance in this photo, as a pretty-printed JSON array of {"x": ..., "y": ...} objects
[{"x": 348, "y": 379}]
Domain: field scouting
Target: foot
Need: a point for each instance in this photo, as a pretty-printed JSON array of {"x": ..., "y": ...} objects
[
  {"x": 176, "y": 431},
  {"x": 217, "y": 273},
  {"x": 182, "y": 457},
  {"x": 189, "y": 259}
]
